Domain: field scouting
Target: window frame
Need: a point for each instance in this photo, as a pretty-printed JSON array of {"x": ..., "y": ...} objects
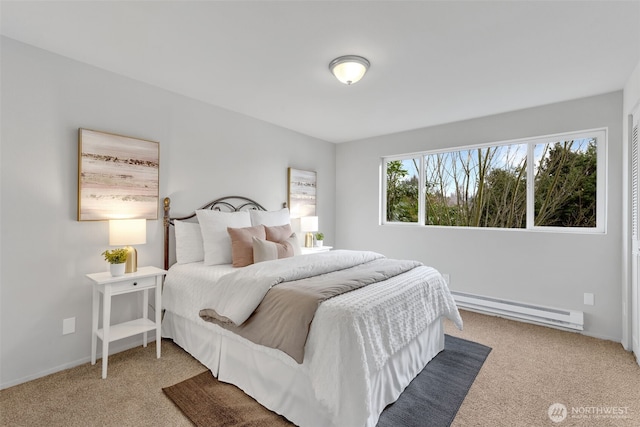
[
  {"x": 601, "y": 135},
  {"x": 421, "y": 189}
]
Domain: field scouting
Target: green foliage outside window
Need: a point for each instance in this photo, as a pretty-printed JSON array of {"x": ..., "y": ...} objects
[
  {"x": 402, "y": 193},
  {"x": 565, "y": 186},
  {"x": 487, "y": 187}
]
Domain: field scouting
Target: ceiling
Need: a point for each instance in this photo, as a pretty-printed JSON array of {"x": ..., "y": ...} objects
[{"x": 432, "y": 62}]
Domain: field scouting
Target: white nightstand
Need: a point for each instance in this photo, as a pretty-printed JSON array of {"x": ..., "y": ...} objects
[
  {"x": 103, "y": 283},
  {"x": 315, "y": 249}
]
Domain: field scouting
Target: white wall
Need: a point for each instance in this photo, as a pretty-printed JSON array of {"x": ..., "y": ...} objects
[
  {"x": 630, "y": 292},
  {"x": 551, "y": 269},
  {"x": 205, "y": 152}
]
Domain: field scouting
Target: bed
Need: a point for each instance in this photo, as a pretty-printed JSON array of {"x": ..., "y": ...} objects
[{"x": 363, "y": 346}]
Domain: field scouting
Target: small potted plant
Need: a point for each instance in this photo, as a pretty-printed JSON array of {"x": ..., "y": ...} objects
[
  {"x": 117, "y": 259},
  {"x": 319, "y": 239}
]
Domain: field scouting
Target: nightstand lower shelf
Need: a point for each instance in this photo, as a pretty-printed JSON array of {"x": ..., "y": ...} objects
[{"x": 128, "y": 329}]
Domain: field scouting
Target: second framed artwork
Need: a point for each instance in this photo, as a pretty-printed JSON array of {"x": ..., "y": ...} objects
[
  {"x": 117, "y": 177},
  {"x": 302, "y": 193}
]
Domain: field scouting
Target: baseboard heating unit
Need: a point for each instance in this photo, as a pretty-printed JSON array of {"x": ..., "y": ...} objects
[{"x": 560, "y": 318}]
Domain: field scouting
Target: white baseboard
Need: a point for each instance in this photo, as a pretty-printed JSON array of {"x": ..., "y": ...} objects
[
  {"x": 603, "y": 337},
  {"x": 544, "y": 315},
  {"x": 113, "y": 349},
  {"x": 516, "y": 319}
]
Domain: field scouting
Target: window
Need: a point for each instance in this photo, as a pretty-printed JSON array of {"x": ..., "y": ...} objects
[
  {"x": 555, "y": 182},
  {"x": 403, "y": 186}
]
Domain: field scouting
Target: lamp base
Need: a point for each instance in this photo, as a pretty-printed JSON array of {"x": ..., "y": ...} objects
[
  {"x": 131, "y": 265},
  {"x": 308, "y": 240}
]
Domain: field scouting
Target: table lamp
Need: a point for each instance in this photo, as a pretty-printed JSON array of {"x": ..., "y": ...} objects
[
  {"x": 309, "y": 225},
  {"x": 128, "y": 232}
]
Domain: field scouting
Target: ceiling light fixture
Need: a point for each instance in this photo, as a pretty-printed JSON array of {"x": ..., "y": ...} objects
[{"x": 349, "y": 69}]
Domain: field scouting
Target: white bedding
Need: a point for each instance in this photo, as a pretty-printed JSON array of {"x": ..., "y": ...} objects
[
  {"x": 236, "y": 296},
  {"x": 375, "y": 322}
]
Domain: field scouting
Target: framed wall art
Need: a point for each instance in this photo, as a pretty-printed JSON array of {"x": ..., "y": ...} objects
[
  {"x": 302, "y": 193},
  {"x": 117, "y": 177}
]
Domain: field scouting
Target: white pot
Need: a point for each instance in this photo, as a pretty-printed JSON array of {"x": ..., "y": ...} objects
[
  {"x": 117, "y": 269},
  {"x": 319, "y": 243}
]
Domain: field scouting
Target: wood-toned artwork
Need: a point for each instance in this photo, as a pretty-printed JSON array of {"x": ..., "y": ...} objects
[
  {"x": 302, "y": 193},
  {"x": 117, "y": 176}
]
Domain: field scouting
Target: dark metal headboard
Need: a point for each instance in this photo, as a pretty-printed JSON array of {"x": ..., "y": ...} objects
[{"x": 225, "y": 204}]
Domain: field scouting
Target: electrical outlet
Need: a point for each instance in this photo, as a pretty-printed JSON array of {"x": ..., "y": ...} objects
[
  {"x": 588, "y": 299},
  {"x": 69, "y": 326}
]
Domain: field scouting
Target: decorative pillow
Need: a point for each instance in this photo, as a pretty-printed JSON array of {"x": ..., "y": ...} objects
[
  {"x": 295, "y": 242},
  {"x": 242, "y": 244},
  {"x": 278, "y": 233},
  {"x": 215, "y": 238},
  {"x": 264, "y": 250},
  {"x": 270, "y": 218},
  {"x": 189, "y": 246}
]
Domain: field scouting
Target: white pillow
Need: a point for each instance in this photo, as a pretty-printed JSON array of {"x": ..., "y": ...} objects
[
  {"x": 213, "y": 224},
  {"x": 189, "y": 246},
  {"x": 270, "y": 218}
]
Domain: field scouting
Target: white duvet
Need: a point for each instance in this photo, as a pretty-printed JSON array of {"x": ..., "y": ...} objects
[
  {"x": 375, "y": 321},
  {"x": 237, "y": 295}
]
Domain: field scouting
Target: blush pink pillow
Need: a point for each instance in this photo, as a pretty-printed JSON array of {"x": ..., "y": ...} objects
[
  {"x": 242, "y": 244},
  {"x": 278, "y": 233}
]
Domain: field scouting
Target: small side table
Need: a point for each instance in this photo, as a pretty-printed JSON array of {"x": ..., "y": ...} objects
[{"x": 103, "y": 283}]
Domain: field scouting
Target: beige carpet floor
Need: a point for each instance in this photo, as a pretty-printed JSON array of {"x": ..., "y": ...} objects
[
  {"x": 529, "y": 369},
  {"x": 533, "y": 367}
]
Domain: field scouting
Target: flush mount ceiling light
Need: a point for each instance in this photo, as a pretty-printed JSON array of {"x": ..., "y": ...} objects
[{"x": 349, "y": 69}]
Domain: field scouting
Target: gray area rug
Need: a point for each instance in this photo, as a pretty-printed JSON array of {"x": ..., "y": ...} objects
[
  {"x": 435, "y": 395},
  {"x": 431, "y": 399}
]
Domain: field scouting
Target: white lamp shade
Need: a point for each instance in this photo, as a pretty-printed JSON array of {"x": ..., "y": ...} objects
[
  {"x": 349, "y": 69},
  {"x": 309, "y": 223},
  {"x": 127, "y": 232}
]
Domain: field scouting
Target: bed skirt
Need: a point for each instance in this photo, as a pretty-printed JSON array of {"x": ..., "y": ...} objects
[{"x": 283, "y": 386}]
